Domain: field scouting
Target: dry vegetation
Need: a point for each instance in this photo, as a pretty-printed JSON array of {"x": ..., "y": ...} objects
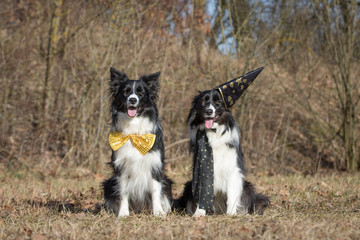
[
  {"x": 54, "y": 68},
  {"x": 300, "y": 119},
  {"x": 33, "y": 206}
]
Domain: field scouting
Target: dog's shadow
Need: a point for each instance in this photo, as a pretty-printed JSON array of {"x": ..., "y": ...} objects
[{"x": 67, "y": 207}]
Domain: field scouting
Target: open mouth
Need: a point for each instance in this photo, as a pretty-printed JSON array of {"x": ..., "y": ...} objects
[
  {"x": 209, "y": 122},
  {"x": 131, "y": 111}
]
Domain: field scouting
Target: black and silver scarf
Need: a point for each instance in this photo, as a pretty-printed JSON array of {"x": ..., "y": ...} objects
[{"x": 203, "y": 173}]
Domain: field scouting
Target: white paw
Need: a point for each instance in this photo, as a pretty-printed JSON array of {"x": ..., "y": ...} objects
[
  {"x": 231, "y": 212},
  {"x": 166, "y": 205},
  {"x": 159, "y": 212},
  {"x": 199, "y": 213},
  {"x": 124, "y": 213}
]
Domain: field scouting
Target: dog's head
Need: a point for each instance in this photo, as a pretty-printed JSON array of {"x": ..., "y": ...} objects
[
  {"x": 133, "y": 97},
  {"x": 208, "y": 108}
]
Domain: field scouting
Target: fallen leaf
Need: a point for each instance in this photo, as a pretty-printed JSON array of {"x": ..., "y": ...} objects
[
  {"x": 201, "y": 223},
  {"x": 325, "y": 185},
  {"x": 10, "y": 209},
  {"x": 99, "y": 177},
  {"x": 39, "y": 237},
  {"x": 339, "y": 193},
  {"x": 244, "y": 229},
  {"x": 284, "y": 192}
]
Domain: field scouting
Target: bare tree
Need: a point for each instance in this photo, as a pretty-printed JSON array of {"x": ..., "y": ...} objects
[{"x": 339, "y": 23}]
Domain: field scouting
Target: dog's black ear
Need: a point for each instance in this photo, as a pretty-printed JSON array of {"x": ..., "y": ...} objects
[
  {"x": 193, "y": 119},
  {"x": 116, "y": 78},
  {"x": 192, "y": 116},
  {"x": 152, "y": 80}
]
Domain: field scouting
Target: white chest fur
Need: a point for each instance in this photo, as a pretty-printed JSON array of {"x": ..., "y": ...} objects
[
  {"x": 225, "y": 158},
  {"x": 136, "y": 169}
]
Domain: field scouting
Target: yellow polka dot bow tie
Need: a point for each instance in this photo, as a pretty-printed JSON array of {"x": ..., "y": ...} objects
[{"x": 143, "y": 143}]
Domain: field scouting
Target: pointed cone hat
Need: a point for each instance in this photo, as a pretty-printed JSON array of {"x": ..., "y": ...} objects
[{"x": 233, "y": 89}]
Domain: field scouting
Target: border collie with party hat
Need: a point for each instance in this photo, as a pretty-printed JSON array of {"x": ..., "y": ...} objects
[
  {"x": 138, "y": 183},
  {"x": 218, "y": 185}
]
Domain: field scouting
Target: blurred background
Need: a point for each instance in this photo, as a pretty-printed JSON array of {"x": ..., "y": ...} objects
[{"x": 301, "y": 115}]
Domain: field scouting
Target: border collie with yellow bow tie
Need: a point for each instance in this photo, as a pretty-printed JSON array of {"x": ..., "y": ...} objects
[{"x": 138, "y": 183}]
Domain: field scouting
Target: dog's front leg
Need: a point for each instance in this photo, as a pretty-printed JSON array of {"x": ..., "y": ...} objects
[
  {"x": 234, "y": 191},
  {"x": 124, "y": 200},
  {"x": 156, "y": 198},
  {"x": 199, "y": 212}
]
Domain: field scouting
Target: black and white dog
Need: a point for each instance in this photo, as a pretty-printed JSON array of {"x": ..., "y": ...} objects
[
  {"x": 138, "y": 183},
  {"x": 232, "y": 193}
]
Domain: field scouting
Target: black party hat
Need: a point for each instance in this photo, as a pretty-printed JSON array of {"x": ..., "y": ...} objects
[{"x": 232, "y": 90}]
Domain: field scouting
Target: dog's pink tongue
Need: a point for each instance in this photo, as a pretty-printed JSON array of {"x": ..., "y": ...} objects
[
  {"x": 209, "y": 123},
  {"x": 131, "y": 112}
]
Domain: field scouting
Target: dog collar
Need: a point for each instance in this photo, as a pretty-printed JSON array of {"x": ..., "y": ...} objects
[{"x": 143, "y": 143}]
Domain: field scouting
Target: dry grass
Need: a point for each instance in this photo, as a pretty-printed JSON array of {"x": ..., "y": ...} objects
[{"x": 34, "y": 206}]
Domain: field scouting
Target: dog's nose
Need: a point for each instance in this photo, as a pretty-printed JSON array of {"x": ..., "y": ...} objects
[
  {"x": 132, "y": 100},
  {"x": 208, "y": 111}
]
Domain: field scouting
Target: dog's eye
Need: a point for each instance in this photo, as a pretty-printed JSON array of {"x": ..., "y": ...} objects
[
  {"x": 218, "y": 102},
  {"x": 139, "y": 91},
  {"x": 127, "y": 91},
  {"x": 207, "y": 98}
]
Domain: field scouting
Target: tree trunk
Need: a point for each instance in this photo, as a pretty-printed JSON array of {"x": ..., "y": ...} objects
[{"x": 51, "y": 50}]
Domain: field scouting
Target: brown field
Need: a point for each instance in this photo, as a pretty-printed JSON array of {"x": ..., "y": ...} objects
[{"x": 34, "y": 206}]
